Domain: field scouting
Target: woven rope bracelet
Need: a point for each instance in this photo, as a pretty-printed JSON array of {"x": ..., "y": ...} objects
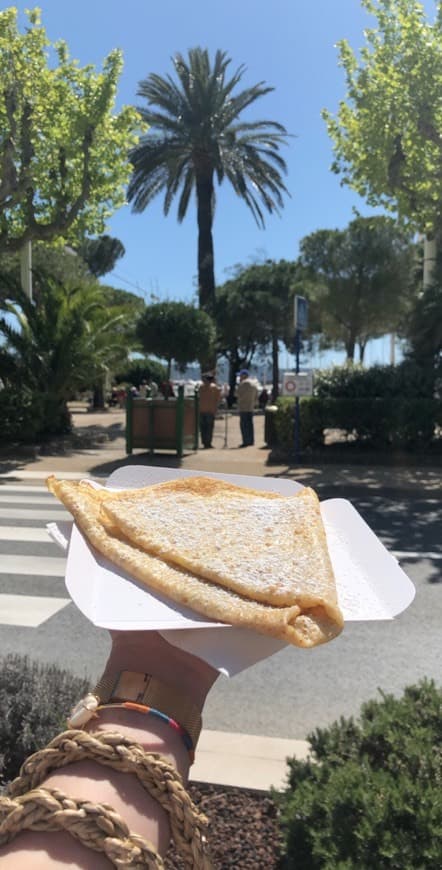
[
  {"x": 155, "y": 773},
  {"x": 96, "y": 826}
]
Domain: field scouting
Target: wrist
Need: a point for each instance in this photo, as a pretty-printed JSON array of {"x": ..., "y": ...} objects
[{"x": 149, "y": 652}]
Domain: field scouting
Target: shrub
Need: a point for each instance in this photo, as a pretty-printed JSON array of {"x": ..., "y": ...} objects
[
  {"x": 142, "y": 370},
  {"x": 312, "y": 423},
  {"x": 379, "y": 423},
  {"x": 377, "y": 382},
  {"x": 34, "y": 700},
  {"x": 21, "y": 415},
  {"x": 371, "y": 794}
]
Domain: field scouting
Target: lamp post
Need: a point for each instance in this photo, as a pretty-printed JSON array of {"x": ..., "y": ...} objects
[{"x": 300, "y": 322}]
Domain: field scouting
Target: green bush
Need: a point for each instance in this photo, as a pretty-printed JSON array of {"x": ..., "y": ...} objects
[
  {"x": 378, "y": 423},
  {"x": 370, "y": 797},
  {"x": 377, "y": 382},
  {"x": 34, "y": 700},
  {"x": 21, "y": 415},
  {"x": 144, "y": 369},
  {"x": 312, "y": 423}
]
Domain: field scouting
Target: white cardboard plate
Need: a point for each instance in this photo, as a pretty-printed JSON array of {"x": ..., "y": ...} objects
[{"x": 371, "y": 584}]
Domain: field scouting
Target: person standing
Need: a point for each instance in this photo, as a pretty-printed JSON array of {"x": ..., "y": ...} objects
[
  {"x": 209, "y": 398},
  {"x": 143, "y": 390},
  {"x": 246, "y": 393}
]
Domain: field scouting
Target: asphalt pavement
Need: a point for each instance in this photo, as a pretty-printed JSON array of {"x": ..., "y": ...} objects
[{"x": 264, "y": 711}]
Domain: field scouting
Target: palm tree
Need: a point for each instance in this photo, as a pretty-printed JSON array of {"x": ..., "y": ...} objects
[
  {"x": 195, "y": 135},
  {"x": 66, "y": 338}
]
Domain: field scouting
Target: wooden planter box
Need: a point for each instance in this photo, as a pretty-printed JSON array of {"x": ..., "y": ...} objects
[{"x": 160, "y": 424}]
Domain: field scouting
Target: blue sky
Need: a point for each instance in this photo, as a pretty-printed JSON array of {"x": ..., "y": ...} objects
[{"x": 290, "y": 44}]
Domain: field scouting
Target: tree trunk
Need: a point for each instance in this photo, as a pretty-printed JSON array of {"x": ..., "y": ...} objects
[
  {"x": 98, "y": 398},
  {"x": 275, "y": 367},
  {"x": 206, "y": 266},
  {"x": 232, "y": 383},
  {"x": 430, "y": 254},
  {"x": 350, "y": 345},
  {"x": 362, "y": 346}
]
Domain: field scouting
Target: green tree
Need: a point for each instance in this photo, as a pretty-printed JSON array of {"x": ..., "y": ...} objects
[
  {"x": 196, "y": 136},
  {"x": 65, "y": 339},
  {"x": 141, "y": 369},
  {"x": 361, "y": 280},
  {"x": 424, "y": 326},
  {"x": 123, "y": 310},
  {"x": 240, "y": 328},
  {"x": 48, "y": 260},
  {"x": 387, "y": 134},
  {"x": 176, "y": 331},
  {"x": 101, "y": 254},
  {"x": 254, "y": 309},
  {"x": 63, "y": 149}
]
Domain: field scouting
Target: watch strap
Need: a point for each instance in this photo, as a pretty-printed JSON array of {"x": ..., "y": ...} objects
[{"x": 144, "y": 689}]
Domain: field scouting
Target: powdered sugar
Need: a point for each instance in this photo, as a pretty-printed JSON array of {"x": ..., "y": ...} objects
[{"x": 268, "y": 546}]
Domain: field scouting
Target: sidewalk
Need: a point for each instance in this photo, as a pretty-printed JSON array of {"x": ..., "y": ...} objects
[
  {"x": 105, "y": 451},
  {"x": 241, "y": 760}
]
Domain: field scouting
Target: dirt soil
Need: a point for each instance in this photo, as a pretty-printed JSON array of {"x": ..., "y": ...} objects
[{"x": 244, "y": 829}]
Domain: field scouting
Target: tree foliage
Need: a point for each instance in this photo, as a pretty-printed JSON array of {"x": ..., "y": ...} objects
[
  {"x": 176, "y": 331},
  {"x": 101, "y": 254},
  {"x": 196, "y": 136},
  {"x": 49, "y": 260},
  {"x": 63, "y": 149},
  {"x": 360, "y": 280},
  {"x": 369, "y": 795},
  {"x": 254, "y": 310},
  {"x": 65, "y": 339},
  {"x": 240, "y": 327},
  {"x": 424, "y": 326},
  {"x": 142, "y": 369},
  {"x": 387, "y": 134}
]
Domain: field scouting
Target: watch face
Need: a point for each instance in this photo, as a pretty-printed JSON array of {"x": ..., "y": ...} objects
[{"x": 131, "y": 686}]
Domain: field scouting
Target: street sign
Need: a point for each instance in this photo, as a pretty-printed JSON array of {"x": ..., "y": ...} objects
[
  {"x": 297, "y": 384},
  {"x": 301, "y": 312}
]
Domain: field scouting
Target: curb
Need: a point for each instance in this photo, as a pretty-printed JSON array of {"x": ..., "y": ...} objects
[{"x": 245, "y": 760}]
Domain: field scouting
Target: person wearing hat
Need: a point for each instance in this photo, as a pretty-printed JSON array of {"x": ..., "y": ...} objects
[
  {"x": 209, "y": 398},
  {"x": 246, "y": 394}
]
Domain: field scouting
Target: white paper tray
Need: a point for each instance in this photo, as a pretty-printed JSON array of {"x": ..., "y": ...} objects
[{"x": 371, "y": 585}]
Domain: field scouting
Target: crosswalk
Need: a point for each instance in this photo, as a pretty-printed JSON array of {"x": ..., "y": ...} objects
[{"x": 32, "y": 566}]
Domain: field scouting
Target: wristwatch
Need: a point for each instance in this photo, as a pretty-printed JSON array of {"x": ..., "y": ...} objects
[{"x": 143, "y": 689}]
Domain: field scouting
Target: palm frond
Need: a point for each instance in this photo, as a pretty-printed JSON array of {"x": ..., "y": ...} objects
[
  {"x": 188, "y": 185},
  {"x": 196, "y": 132}
]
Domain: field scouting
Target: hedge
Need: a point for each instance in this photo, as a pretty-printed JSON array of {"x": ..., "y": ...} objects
[
  {"x": 370, "y": 795},
  {"x": 377, "y": 382},
  {"x": 379, "y": 423},
  {"x": 21, "y": 415},
  {"x": 27, "y": 415}
]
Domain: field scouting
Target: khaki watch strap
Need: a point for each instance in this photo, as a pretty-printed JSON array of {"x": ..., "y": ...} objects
[{"x": 147, "y": 690}]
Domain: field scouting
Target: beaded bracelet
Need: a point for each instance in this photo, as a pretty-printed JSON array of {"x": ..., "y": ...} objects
[{"x": 151, "y": 711}]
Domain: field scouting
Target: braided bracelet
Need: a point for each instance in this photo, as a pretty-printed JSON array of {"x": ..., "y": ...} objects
[
  {"x": 151, "y": 711},
  {"x": 155, "y": 773}
]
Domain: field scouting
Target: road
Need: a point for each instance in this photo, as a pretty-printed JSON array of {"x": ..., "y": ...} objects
[{"x": 287, "y": 695}]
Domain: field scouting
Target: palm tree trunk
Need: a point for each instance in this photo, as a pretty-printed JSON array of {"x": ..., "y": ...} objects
[{"x": 206, "y": 266}]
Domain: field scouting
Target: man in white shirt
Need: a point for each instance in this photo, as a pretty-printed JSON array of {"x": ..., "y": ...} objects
[{"x": 246, "y": 393}]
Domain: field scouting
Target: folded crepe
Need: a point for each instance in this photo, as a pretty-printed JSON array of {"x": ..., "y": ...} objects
[{"x": 245, "y": 557}]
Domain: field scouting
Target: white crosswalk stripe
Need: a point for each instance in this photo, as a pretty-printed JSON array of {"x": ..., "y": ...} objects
[
  {"x": 24, "y": 533},
  {"x": 28, "y": 557}
]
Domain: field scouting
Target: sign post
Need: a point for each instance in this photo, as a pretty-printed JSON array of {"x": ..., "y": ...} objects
[{"x": 300, "y": 323}]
